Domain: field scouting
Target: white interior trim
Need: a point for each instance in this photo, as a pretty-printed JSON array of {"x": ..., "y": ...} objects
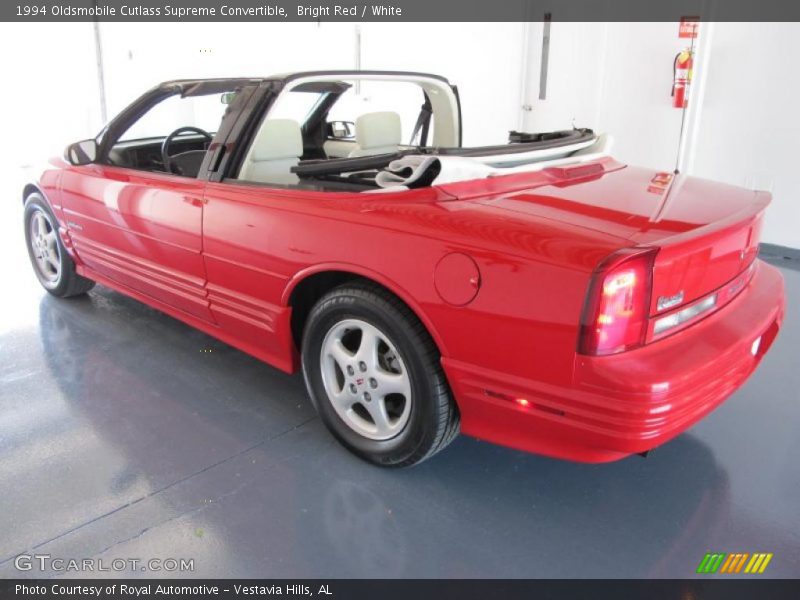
[
  {"x": 443, "y": 101},
  {"x": 461, "y": 168},
  {"x": 514, "y": 158}
]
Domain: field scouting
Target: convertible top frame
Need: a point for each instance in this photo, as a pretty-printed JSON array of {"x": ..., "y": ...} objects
[{"x": 256, "y": 97}]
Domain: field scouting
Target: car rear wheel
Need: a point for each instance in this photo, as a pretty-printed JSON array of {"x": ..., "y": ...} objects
[
  {"x": 374, "y": 376},
  {"x": 53, "y": 266}
]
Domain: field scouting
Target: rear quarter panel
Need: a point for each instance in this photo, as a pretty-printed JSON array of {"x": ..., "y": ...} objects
[{"x": 259, "y": 243}]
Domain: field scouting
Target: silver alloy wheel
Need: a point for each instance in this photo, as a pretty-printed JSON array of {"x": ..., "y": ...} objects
[
  {"x": 365, "y": 379},
  {"x": 44, "y": 247}
]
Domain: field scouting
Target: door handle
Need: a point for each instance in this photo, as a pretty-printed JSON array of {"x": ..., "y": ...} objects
[{"x": 195, "y": 201}]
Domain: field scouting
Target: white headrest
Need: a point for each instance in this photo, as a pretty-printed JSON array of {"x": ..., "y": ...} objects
[
  {"x": 378, "y": 129},
  {"x": 278, "y": 138}
]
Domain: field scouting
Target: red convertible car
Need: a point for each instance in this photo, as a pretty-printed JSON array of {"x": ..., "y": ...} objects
[{"x": 537, "y": 294}]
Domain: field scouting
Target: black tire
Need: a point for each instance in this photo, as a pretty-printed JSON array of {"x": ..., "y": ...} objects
[
  {"x": 66, "y": 282},
  {"x": 433, "y": 421}
]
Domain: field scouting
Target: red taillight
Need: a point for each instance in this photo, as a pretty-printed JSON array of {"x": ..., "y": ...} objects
[{"x": 616, "y": 311}]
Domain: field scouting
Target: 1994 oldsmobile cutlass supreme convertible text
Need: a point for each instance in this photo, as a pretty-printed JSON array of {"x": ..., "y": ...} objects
[{"x": 537, "y": 294}]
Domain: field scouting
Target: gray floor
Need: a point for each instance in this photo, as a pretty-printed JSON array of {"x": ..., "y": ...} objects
[{"x": 125, "y": 434}]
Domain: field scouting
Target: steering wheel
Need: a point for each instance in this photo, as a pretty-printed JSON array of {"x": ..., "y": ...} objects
[{"x": 184, "y": 161}]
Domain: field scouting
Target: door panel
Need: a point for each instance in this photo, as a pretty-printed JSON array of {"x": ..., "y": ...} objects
[
  {"x": 141, "y": 229},
  {"x": 247, "y": 273}
]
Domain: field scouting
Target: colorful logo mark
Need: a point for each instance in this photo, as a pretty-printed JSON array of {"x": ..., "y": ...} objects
[{"x": 742, "y": 562}]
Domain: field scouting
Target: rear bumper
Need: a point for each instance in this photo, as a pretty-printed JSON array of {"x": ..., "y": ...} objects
[{"x": 630, "y": 402}]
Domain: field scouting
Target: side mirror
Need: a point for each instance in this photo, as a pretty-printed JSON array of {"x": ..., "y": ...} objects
[
  {"x": 81, "y": 153},
  {"x": 227, "y": 97},
  {"x": 342, "y": 130}
]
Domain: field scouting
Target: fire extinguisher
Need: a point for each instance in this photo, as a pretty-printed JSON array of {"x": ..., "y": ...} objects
[{"x": 681, "y": 78}]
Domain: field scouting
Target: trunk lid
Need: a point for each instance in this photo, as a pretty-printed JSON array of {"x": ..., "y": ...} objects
[
  {"x": 721, "y": 246},
  {"x": 707, "y": 232}
]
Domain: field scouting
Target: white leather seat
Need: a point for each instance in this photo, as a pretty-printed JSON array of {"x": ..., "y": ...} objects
[
  {"x": 377, "y": 133},
  {"x": 277, "y": 149}
]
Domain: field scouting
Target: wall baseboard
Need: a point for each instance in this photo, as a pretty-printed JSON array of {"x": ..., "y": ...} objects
[{"x": 782, "y": 256}]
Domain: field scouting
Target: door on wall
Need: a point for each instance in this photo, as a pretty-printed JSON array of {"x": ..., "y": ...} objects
[{"x": 614, "y": 78}]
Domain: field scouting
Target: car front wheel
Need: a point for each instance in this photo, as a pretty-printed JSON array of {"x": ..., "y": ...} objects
[
  {"x": 53, "y": 266},
  {"x": 374, "y": 376}
]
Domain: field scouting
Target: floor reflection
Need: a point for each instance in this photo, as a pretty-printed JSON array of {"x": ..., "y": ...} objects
[{"x": 119, "y": 437}]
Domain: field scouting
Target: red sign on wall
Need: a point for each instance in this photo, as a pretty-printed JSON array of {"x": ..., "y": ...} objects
[{"x": 688, "y": 27}]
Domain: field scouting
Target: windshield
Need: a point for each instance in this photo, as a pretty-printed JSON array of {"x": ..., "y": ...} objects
[{"x": 165, "y": 117}]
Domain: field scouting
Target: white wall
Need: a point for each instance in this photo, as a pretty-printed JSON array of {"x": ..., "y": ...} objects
[
  {"x": 468, "y": 54},
  {"x": 49, "y": 96},
  {"x": 135, "y": 62},
  {"x": 749, "y": 130},
  {"x": 575, "y": 76},
  {"x": 742, "y": 129},
  {"x": 483, "y": 59},
  {"x": 611, "y": 77},
  {"x": 635, "y": 102}
]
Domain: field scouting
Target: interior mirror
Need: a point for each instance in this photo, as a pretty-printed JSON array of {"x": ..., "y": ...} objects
[
  {"x": 343, "y": 130},
  {"x": 227, "y": 97},
  {"x": 82, "y": 153}
]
